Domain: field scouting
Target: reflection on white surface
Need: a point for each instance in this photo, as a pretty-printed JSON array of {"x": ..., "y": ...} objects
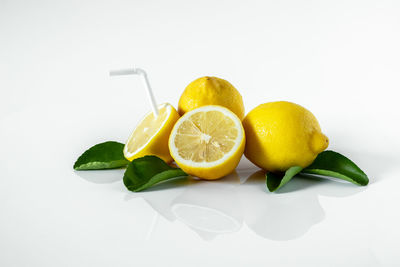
[
  {"x": 279, "y": 216},
  {"x": 101, "y": 176},
  {"x": 340, "y": 59},
  {"x": 212, "y": 208},
  {"x": 205, "y": 219}
]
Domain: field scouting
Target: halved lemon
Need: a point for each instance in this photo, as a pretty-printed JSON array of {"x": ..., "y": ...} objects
[
  {"x": 207, "y": 142},
  {"x": 150, "y": 136}
]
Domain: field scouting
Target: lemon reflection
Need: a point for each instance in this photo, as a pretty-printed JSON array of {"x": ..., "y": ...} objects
[
  {"x": 212, "y": 208},
  {"x": 279, "y": 216}
]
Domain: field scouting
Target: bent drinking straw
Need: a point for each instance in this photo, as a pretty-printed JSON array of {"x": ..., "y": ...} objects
[{"x": 145, "y": 81}]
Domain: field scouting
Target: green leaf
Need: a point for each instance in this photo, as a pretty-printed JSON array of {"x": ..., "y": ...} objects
[
  {"x": 333, "y": 164},
  {"x": 277, "y": 180},
  {"x": 107, "y": 155},
  {"x": 147, "y": 171}
]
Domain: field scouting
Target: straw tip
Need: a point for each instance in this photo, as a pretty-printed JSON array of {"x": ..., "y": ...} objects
[{"x": 123, "y": 72}]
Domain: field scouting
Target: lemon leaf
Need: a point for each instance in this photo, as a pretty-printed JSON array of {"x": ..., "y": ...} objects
[
  {"x": 147, "y": 171},
  {"x": 275, "y": 181},
  {"x": 107, "y": 155},
  {"x": 332, "y": 164}
]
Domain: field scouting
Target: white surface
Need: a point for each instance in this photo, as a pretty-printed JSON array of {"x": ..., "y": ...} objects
[{"x": 340, "y": 59}]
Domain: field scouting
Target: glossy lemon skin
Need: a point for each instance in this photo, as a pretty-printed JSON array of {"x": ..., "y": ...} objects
[
  {"x": 158, "y": 145},
  {"x": 211, "y": 91},
  {"x": 282, "y": 134}
]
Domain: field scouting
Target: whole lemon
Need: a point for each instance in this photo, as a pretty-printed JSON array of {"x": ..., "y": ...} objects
[
  {"x": 211, "y": 91},
  {"x": 282, "y": 134}
]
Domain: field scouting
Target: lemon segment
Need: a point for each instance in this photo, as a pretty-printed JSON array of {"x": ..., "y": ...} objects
[
  {"x": 207, "y": 142},
  {"x": 150, "y": 137}
]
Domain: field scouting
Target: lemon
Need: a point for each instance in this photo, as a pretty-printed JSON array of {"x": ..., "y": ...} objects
[
  {"x": 282, "y": 134},
  {"x": 150, "y": 136},
  {"x": 211, "y": 91},
  {"x": 207, "y": 142}
]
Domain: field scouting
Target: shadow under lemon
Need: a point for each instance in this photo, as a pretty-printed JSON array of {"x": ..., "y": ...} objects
[
  {"x": 212, "y": 208},
  {"x": 280, "y": 216},
  {"x": 209, "y": 208},
  {"x": 294, "y": 209}
]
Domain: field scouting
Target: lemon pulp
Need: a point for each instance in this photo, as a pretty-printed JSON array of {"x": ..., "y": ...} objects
[
  {"x": 146, "y": 129},
  {"x": 207, "y": 142},
  {"x": 150, "y": 137},
  {"x": 203, "y": 137}
]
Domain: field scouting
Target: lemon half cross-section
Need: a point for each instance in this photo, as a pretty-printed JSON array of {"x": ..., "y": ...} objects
[
  {"x": 150, "y": 136},
  {"x": 207, "y": 142}
]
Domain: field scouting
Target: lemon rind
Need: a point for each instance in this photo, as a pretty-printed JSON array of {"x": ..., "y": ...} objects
[
  {"x": 227, "y": 156},
  {"x": 129, "y": 154}
]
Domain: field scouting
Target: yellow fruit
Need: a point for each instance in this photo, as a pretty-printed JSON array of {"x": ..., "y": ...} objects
[
  {"x": 211, "y": 91},
  {"x": 207, "y": 142},
  {"x": 280, "y": 135},
  {"x": 150, "y": 136}
]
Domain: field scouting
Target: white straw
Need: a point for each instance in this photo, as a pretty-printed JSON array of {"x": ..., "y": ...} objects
[{"x": 146, "y": 84}]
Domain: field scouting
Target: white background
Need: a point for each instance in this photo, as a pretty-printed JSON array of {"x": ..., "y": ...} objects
[{"x": 339, "y": 59}]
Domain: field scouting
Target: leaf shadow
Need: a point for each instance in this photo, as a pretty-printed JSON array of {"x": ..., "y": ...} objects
[
  {"x": 171, "y": 184},
  {"x": 299, "y": 182},
  {"x": 294, "y": 209},
  {"x": 327, "y": 186},
  {"x": 101, "y": 176}
]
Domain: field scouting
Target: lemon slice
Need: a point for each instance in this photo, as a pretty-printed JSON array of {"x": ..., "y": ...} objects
[
  {"x": 207, "y": 142},
  {"x": 150, "y": 136}
]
